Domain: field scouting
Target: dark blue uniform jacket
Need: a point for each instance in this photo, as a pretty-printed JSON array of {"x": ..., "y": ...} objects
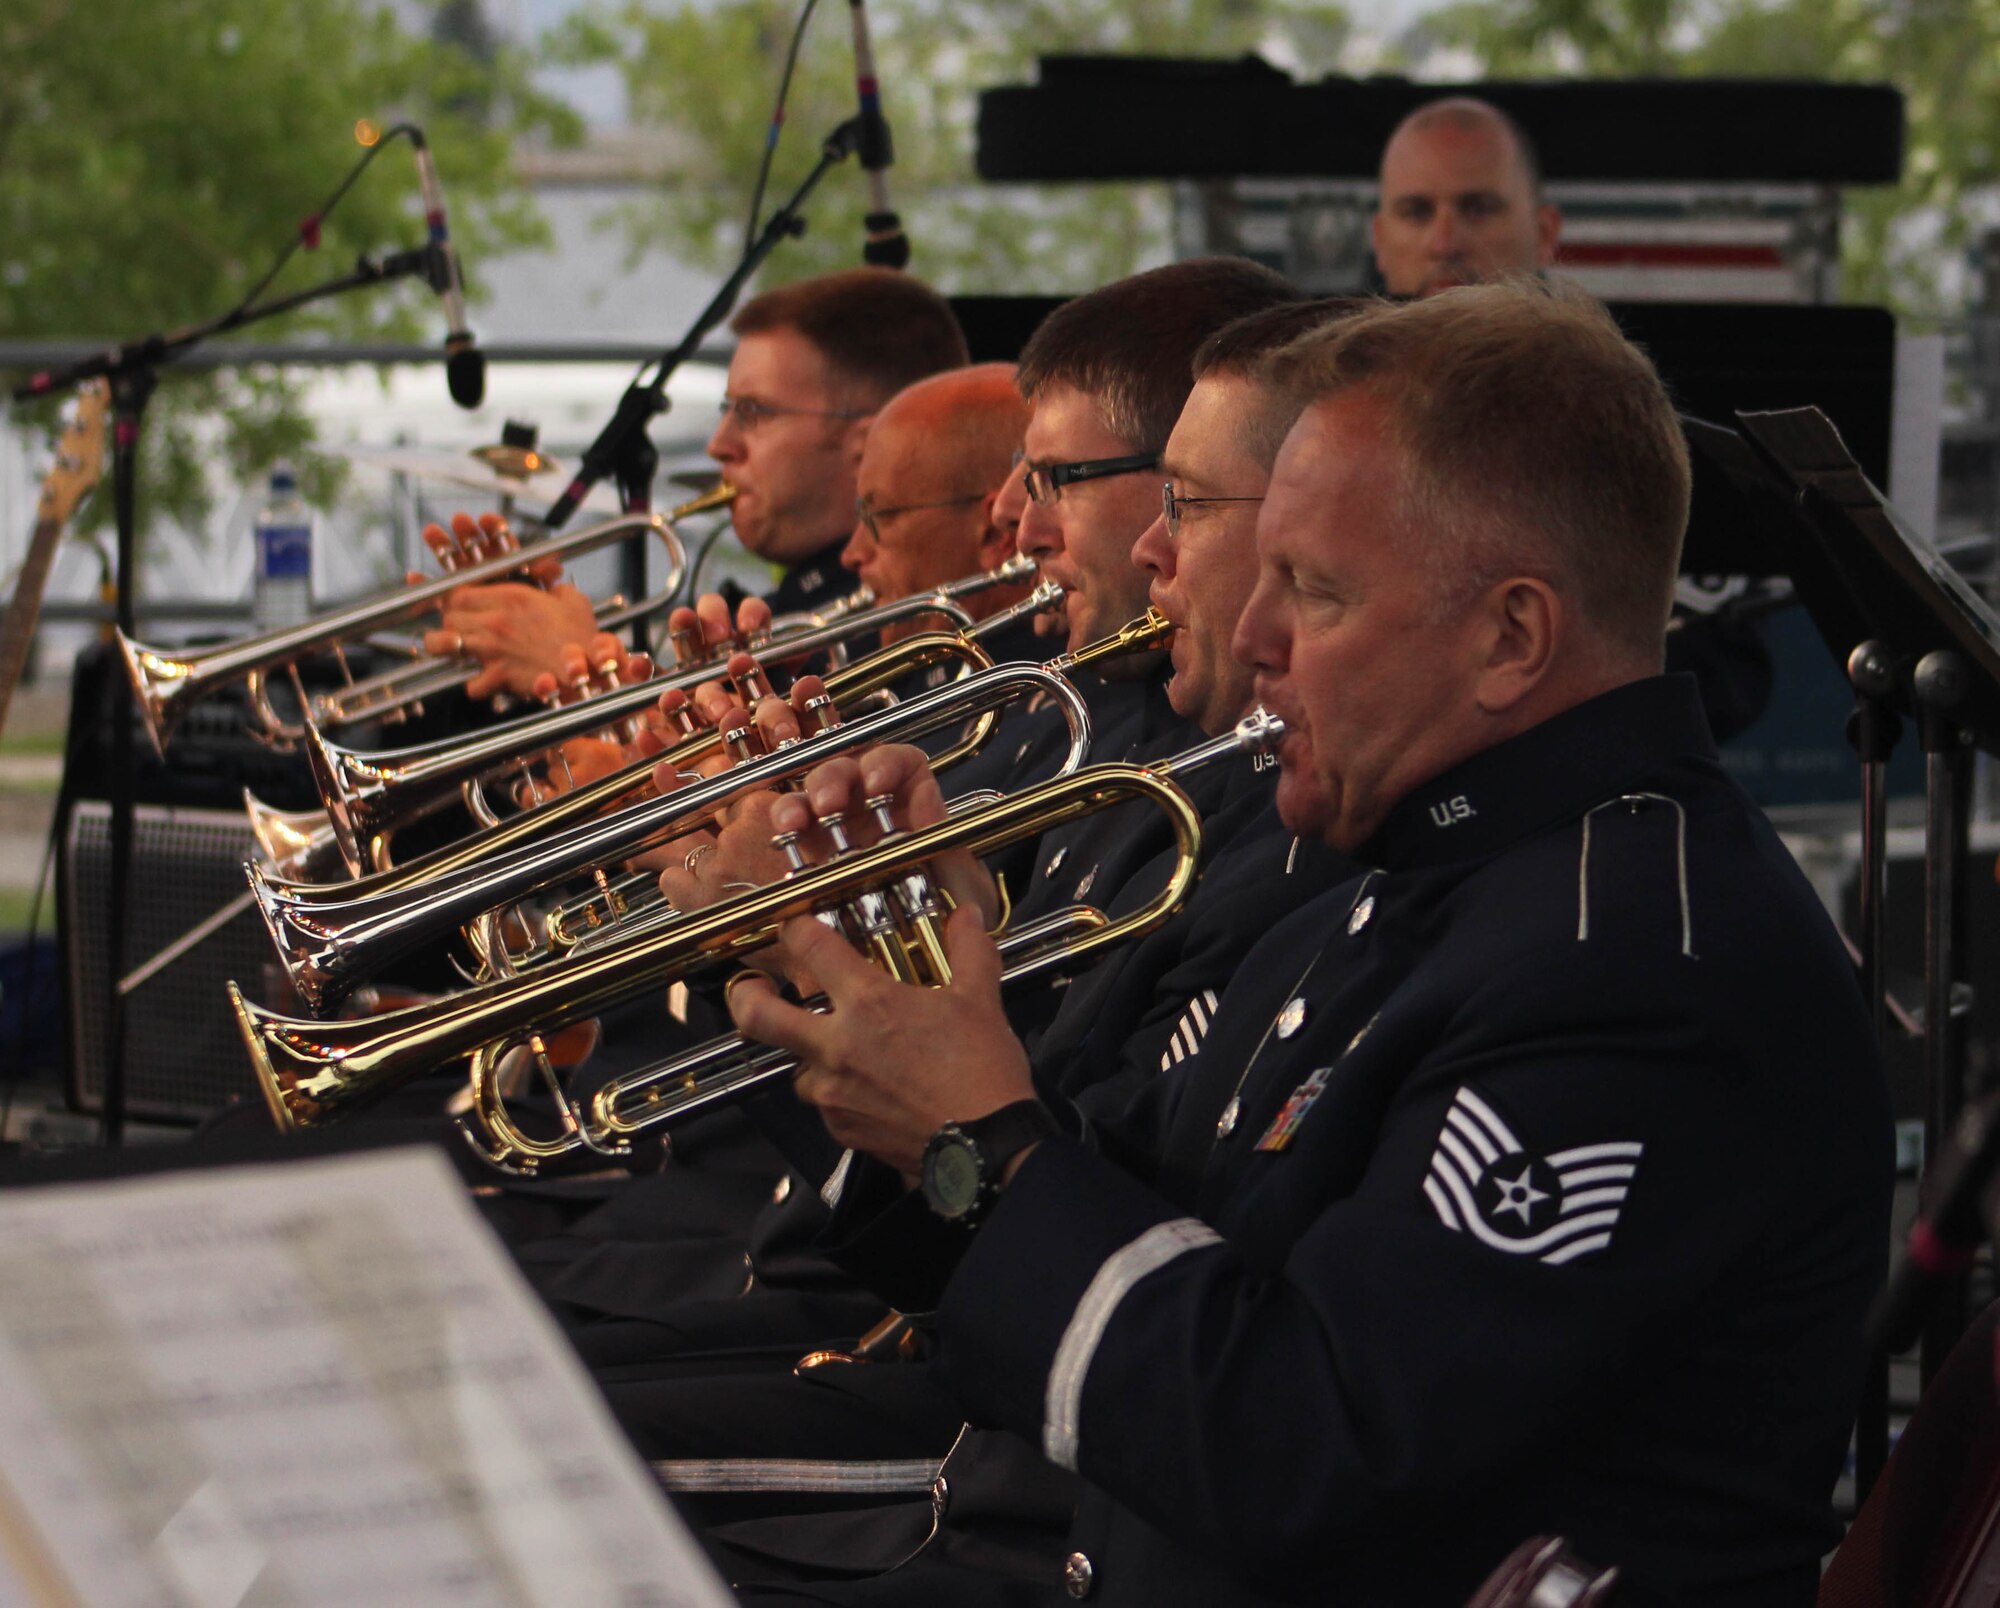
[{"x": 1535, "y": 1181}]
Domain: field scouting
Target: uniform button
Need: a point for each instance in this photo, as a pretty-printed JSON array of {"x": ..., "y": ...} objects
[
  {"x": 1056, "y": 860},
  {"x": 1363, "y": 913},
  {"x": 1083, "y": 887},
  {"x": 1079, "y": 1575},
  {"x": 1291, "y": 1018},
  {"x": 783, "y": 1192},
  {"x": 940, "y": 1497}
]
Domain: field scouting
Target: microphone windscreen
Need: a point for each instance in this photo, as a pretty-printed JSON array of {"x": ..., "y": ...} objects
[{"x": 465, "y": 373}]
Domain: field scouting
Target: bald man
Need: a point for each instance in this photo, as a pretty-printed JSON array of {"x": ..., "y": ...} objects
[
  {"x": 1461, "y": 200},
  {"x": 932, "y": 472}
]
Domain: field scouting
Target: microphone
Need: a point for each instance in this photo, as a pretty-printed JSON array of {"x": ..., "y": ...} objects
[
  {"x": 885, "y": 244},
  {"x": 464, "y": 363}
]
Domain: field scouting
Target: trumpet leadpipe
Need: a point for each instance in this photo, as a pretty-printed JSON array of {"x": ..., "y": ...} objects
[{"x": 329, "y": 941}]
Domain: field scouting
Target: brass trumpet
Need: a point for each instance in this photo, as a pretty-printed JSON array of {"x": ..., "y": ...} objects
[
  {"x": 331, "y": 938},
  {"x": 368, "y": 795},
  {"x": 402, "y": 689},
  {"x": 313, "y": 1072},
  {"x": 167, "y": 684}
]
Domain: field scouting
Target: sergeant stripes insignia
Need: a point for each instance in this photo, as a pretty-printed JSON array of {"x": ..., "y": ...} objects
[
  {"x": 1191, "y": 1029},
  {"x": 1483, "y": 1181}
]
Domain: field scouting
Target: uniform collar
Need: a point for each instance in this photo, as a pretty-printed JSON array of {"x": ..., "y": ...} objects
[
  {"x": 1549, "y": 774},
  {"x": 814, "y": 582}
]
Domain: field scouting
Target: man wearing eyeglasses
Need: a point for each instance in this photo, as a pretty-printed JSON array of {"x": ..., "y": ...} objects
[
  {"x": 1123, "y": 352},
  {"x": 814, "y": 361},
  {"x": 934, "y": 465}
]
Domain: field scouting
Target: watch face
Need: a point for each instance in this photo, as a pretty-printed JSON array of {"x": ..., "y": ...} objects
[{"x": 955, "y": 1177}]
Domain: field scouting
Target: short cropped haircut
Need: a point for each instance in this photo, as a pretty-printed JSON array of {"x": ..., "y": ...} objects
[
  {"x": 1238, "y": 351},
  {"x": 1466, "y": 111},
  {"x": 1533, "y": 438},
  {"x": 878, "y": 329},
  {"x": 1130, "y": 346}
]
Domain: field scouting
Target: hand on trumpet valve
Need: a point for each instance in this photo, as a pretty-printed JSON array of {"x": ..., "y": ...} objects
[
  {"x": 889, "y": 1063},
  {"x": 743, "y": 856},
  {"x": 707, "y": 630},
  {"x": 515, "y": 629},
  {"x": 586, "y": 669},
  {"x": 883, "y": 789}
]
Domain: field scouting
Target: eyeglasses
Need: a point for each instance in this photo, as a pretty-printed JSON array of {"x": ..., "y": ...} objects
[
  {"x": 1045, "y": 481},
  {"x": 747, "y": 412},
  {"x": 1175, "y": 504},
  {"x": 872, "y": 517}
]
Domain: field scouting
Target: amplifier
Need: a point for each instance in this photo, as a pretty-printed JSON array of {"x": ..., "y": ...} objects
[{"x": 183, "y": 1056}]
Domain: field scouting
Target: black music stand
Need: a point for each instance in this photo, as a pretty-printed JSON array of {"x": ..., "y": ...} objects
[{"x": 1921, "y": 644}]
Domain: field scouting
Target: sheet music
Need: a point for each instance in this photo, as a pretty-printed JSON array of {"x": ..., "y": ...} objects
[{"x": 314, "y": 1383}]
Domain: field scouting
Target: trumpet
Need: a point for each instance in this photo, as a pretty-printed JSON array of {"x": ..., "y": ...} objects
[
  {"x": 369, "y": 795},
  {"x": 167, "y": 684},
  {"x": 314, "y": 1072},
  {"x": 331, "y": 938}
]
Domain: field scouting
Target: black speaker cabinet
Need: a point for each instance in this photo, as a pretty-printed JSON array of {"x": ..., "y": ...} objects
[{"x": 183, "y": 1057}]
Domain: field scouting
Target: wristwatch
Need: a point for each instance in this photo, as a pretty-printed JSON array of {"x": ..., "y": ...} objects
[{"x": 964, "y": 1160}]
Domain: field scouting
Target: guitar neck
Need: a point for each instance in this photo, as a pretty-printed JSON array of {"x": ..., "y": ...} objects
[{"x": 24, "y": 610}]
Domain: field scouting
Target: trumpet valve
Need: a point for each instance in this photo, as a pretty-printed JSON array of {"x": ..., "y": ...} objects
[
  {"x": 747, "y": 677},
  {"x": 823, "y": 712},
  {"x": 689, "y": 650},
  {"x": 787, "y": 844},
  {"x": 834, "y": 826},
  {"x": 678, "y": 713},
  {"x": 742, "y": 741},
  {"x": 882, "y": 806}
]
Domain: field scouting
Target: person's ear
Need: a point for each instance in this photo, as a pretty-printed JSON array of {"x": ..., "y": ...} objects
[{"x": 1518, "y": 627}]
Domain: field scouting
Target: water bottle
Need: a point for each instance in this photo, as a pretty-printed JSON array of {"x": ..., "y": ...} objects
[{"x": 282, "y": 591}]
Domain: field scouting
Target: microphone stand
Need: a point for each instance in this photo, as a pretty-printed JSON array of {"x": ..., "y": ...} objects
[
  {"x": 132, "y": 369},
  {"x": 1873, "y": 730},
  {"x": 623, "y": 449}
]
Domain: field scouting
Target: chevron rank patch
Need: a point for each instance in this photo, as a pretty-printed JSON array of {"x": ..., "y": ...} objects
[
  {"x": 1191, "y": 1029},
  {"x": 1484, "y": 1182}
]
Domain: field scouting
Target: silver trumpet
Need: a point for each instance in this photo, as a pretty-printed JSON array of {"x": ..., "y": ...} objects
[
  {"x": 329, "y": 941},
  {"x": 313, "y": 1072},
  {"x": 368, "y": 795},
  {"x": 167, "y": 684}
]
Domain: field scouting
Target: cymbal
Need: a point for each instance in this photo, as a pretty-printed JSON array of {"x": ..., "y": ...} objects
[{"x": 531, "y": 493}]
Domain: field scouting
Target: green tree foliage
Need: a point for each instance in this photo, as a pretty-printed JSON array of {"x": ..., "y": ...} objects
[
  {"x": 155, "y": 156},
  {"x": 1902, "y": 244},
  {"x": 709, "y": 73}
]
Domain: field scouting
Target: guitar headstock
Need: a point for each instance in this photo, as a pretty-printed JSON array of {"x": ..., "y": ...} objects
[{"x": 79, "y": 454}]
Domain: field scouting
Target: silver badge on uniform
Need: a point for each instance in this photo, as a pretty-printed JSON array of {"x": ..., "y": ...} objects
[{"x": 1484, "y": 1182}]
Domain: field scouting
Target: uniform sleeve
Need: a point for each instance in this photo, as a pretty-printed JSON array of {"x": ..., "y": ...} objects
[{"x": 1270, "y": 1390}]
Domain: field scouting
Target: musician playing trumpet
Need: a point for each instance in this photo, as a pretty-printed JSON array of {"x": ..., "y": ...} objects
[
  {"x": 814, "y": 360},
  {"x": 1534, "y": 1180}
]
